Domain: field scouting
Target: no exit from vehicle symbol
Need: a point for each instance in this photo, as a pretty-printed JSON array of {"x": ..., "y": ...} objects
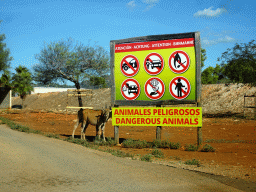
[
  {"x": 130, "y": 65},
  {"x": 153, "y": 63},
  {"x": 179, "y": 61},
  {"x": 179, "y": 88},
  {"x": 130, "y": 89},
  {"x": 154, "y": 88}
]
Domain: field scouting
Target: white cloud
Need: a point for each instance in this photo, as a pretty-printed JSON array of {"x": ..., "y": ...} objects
[
  {"x": 226, "y": 39},
  {"x": 150, "y": 4},
  {"x": 131, "y": 5},
  {"x": 210, "y": 13},
  {"x": 150, "y": 1}
]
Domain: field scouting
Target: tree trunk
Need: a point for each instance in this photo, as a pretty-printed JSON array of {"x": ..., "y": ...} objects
[{"x": 79, "y": 97}]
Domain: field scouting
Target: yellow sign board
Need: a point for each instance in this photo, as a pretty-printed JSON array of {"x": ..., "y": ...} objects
[
  {"x": 157, "y": 116},
  {"x": 156, "y": 71}
]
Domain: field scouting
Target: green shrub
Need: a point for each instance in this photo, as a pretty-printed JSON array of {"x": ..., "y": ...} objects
[
  {"x": 130, "y": 143},
  {"x": 207, "y": 148},
  {"x": 157, "y": 143},
  {"x": 147, "y": 158},
  {"x": 174, "y": 145},
  {"x": 192, "y": 162},
  {"x": 119, "y": 153},
  {"x": 157, "y": 153},
  {"x": 141, "y": 144},
  {"x": 110, "y": 141},
  {"x": 165, "y": 144},
  {"x": 190, "y": 147}
]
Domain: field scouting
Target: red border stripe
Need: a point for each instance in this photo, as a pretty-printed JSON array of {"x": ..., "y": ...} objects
[{"x": 153, "y": 45}]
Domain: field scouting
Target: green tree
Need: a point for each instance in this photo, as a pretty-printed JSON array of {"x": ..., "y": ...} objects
[
  {"x": 239, "y": 63},
  {"x": 98, "y": 81},
  {"x": 5, "y": 79},
  {"x": 203, "y": 57},
  {"x": 64, "y": 60},
  {"x": 213, "y": 75},
  {"x": 209, "y": 76},
  {"x": 22, "y": 81},
  {"x": 5, "y": 61}
]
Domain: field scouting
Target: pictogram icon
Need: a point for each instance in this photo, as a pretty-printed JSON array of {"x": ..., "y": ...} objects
[
  {"x": 179, "y": 61},
  {"x": 130, "y": 89},
  {"x": 130, "y": 65},
  {"x": 154, "y": 88},
  {"x": 153, "y": 64},
  {"x": 179, "y": 88}
]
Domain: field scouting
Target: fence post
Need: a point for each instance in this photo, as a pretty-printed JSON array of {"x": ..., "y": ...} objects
[
  {"x": 158, "y": 129},
  {"x": 199, "y": 131},
  {"x": 255, "y": 107},
  {"x": 116, "y": 131}
]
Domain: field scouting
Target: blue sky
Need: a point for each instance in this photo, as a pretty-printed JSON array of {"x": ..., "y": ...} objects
[{"x": 28, "y": 24}]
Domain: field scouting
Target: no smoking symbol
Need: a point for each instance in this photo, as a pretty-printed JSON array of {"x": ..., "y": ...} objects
[
  {"x": 154, "y": 88},
  {"x": 153, "y": 64},
  {"x": 130, "y": 65},
  {"x": 179, "y": 62},
  {"x": 179, "y": 88},
  {"x": 130, "y": 89}
]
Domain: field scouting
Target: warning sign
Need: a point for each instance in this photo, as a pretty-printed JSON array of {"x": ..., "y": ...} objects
[
  {"x": 154, "y": 88},
  {"x": 179, "y": 88},
  {"x": 130, "y": 89},
  {"x": 153, "y": 64},
  {"x": 156, "y": 116},
  {"x": 130, "y": 65},
  {"x": 160, "y": 58},
  {"x": 179, "y": 61}
]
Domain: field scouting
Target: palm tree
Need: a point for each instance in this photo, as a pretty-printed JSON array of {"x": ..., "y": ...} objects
[{"x": 22, "y": 82}]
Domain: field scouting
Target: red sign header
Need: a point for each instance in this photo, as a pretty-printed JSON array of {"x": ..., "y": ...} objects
[{"x": 152, "y": 45}]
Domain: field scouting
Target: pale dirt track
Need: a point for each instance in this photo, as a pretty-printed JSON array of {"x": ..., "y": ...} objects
[{"x": 30, "y": 162}]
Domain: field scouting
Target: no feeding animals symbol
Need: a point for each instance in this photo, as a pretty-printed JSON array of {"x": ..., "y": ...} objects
[
  {"x": 179, "y": 61},
  {"x": 130, "y": 89},
  {"x": 130, "y": 65},
  {"x": 154, "y": 88},
  {"x": 153, "y": 64},
  {"x": 179, "y": 88}
]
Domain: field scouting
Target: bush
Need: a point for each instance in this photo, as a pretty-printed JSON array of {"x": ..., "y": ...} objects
[
  {"x": 157, "y": 143},
  {"x": 157, "y": 153},
  {"x": 52, "y": 135},
  {"x": 141, "y": 144},
  {"x": 207, "y": 148},
  {"x": 147, "y": 158},
  {"x": 119, "y": 153},
  {"x": 130, "y": 143},
  {"x": 190, "y": 147},
  {"x": 192, "y": 162},
  {"x": 165, "y": 144},
  {"x": 174, "y": 145}
]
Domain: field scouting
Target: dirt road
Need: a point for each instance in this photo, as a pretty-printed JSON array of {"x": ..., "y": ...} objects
[{"x": 30, "y": 162}]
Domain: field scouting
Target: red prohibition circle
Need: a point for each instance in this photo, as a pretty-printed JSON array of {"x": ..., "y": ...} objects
[
  {"x": 187, "y": 62},
  {"x": 148, "y": 84},
  {"x": 173, "y": 82},
  {"x": 158, "y": 64},
  {"x": 130, "y": 89},
  {"x": 131, "y": 65}
]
